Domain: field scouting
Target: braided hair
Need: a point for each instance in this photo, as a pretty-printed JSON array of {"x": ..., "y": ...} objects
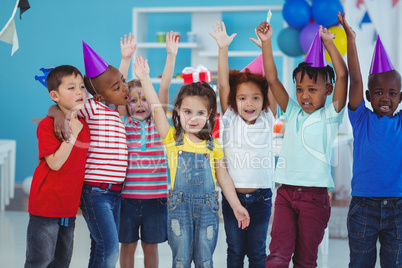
[{"x": 304, "y": 67}]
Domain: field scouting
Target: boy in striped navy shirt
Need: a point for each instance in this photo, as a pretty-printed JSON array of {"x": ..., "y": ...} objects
[{"x": 144, "y": 195}]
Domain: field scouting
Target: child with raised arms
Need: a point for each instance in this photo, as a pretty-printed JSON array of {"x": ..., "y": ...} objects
[
  {"x": 196, "y": 162},
  {"x": 375, "y": 209},
  {"x": 145, "y": 191},
  {"x": 248, "y": 109},
  {"x": 302, "y": 207},
  {"x": 106, "y": 164}
]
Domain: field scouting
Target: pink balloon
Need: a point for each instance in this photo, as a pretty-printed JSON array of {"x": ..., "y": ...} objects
[{"x": 307, "y": 35}]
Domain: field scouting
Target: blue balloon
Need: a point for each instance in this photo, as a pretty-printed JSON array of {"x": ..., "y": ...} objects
[
  {"x": 297, "y": 13},
  {"x": 288, "y": 42},
  {"x": 324, "y": 12}
]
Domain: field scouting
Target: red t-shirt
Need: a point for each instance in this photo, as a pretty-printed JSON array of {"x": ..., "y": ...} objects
[{"x": 57, "y": 193}]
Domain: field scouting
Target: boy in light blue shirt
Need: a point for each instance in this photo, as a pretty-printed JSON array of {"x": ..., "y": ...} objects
[{"x": 302, "y": 207}]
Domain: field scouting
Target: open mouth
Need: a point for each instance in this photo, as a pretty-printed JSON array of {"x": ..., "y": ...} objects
[
  {"x": 249, "y": 111},
  {"x": 80, "y": 100},
  {"x": 140, "y": 111},
  {"x": 306, "y": 103},
  {"x": 385, "y": 109}
]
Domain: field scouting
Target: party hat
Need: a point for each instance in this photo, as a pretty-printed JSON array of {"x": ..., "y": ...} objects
[
  {"x": 316, "y": 54},
  {"x": 94, "y": 64},
  {"x": 380, "y": 62},
  {"x": 256, "y": 66}
]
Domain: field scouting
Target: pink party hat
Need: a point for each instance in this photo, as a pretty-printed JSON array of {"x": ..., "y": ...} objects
[
  {"x": 380, "y": 62},
  {"x": 94, "y": 64},
  {"x": 256, "y": 66},
  {"x": 316, "y": 54}
]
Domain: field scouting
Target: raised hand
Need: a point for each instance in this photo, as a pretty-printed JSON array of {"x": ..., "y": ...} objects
[
  {"x": 172, "y": 43},
  {"x": 264, "y": 31},
  {"x": 258, "y": 40},
  {"x": 141, "y": 68},
  {"x": 326, "y": 35},
  {"x": 127, "y": 46},
  {"x": 221, "y": 37},
  {"x": 348, "y": 30}
]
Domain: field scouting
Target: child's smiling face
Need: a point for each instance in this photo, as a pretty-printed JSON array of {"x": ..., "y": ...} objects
[
  {"x": 111, "y": 86},
  {"x": 138, "y": 107},
  {"x": 193, "y": 113},
  {"x": 249, "y": 101},
  {"x": 312, "y": 95},
  {"x": 384, "y": 92}
]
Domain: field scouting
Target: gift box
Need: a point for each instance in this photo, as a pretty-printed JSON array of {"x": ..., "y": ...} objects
[{"x": 191, "y": 75}]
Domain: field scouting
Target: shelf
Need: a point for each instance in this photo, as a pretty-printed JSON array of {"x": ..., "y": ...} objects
[
  {"x": 174, "y": 80},
  {"x": 237, "y": 53},
  {"x": 163, "y": 45}
]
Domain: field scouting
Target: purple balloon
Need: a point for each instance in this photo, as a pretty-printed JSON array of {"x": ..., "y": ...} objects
[{"x": 307, "y": 35}]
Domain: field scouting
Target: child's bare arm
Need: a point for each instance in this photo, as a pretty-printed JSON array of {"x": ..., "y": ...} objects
[
  {"x": 56, "y": 161},
  {"x": 228, "y": 189},
  {"x": 127, "y": 48},
  {"x": 264, "y": 32},
  {"x": 122, "y": 110},
  {"x": 223, "y": 41},
  {"x": 273, "y": 104},
  {"x": 62, "y": 130},
  {"x": 172, "y": 45},
  {"x": 141, "y": 70},
  {"x": 356, "y": 81},
  {"x": 341, "y": 82}
]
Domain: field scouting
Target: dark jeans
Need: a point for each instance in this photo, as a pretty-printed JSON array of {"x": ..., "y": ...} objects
[
  {"x": 252, "y": 240},
  {"x": 370, "y": 219},
  {"x": 48, "y": 243},
  {"x": 147, "y": 217}
]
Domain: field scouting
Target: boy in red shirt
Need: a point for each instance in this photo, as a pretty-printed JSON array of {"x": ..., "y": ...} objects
[{"x": 57, "y": 182}]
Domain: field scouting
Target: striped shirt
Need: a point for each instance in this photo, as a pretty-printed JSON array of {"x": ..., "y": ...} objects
[
  {"x": 107, "y": 154},
  {"x": 147, "y": 168}
]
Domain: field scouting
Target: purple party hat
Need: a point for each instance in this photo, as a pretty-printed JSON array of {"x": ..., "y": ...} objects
[
  {"x": 256, "y": 66},
  {"x": 316, "y": 54},
  {"x": 380, "y": 62},
  {"x": 94, "y": 64}
]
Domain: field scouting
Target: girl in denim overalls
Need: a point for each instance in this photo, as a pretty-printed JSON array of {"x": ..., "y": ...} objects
[{"x": 195, "y": 161}]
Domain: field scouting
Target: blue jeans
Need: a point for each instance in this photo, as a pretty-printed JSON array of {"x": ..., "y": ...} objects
[
  {"x": 252, "y": 240},
  {"x": 148, "y": 216},
  {"x": 48, "y": 243},
  {"x": 370, "y": 219},
  {"x": 101, "y": 210}
]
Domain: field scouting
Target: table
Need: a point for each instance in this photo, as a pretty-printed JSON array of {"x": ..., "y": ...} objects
[{"x": 7, "y": 176}]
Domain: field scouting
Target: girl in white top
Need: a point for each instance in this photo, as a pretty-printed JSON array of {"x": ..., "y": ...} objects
[{"x": 248, "y": 119}]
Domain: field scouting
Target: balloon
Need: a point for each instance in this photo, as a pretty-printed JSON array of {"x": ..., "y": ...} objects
[
  {"x": 288, "y": 42},
  {"x": 307, "y": 35},
  {"x": 297, "y": 13},
  {"x": 340, "y": 41},
  {"x": 26, "y": 185},
  {"x": 324, "y": 11}
]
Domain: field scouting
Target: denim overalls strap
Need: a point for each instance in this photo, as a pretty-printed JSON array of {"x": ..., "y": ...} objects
[{"x": 194, "y": 173}]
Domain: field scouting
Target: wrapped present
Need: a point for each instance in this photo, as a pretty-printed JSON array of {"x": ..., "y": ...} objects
[{"x": 191, "y": 75}]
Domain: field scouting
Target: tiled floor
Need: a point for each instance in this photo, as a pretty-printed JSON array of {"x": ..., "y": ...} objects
[{"x": 13, "y": 226}]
